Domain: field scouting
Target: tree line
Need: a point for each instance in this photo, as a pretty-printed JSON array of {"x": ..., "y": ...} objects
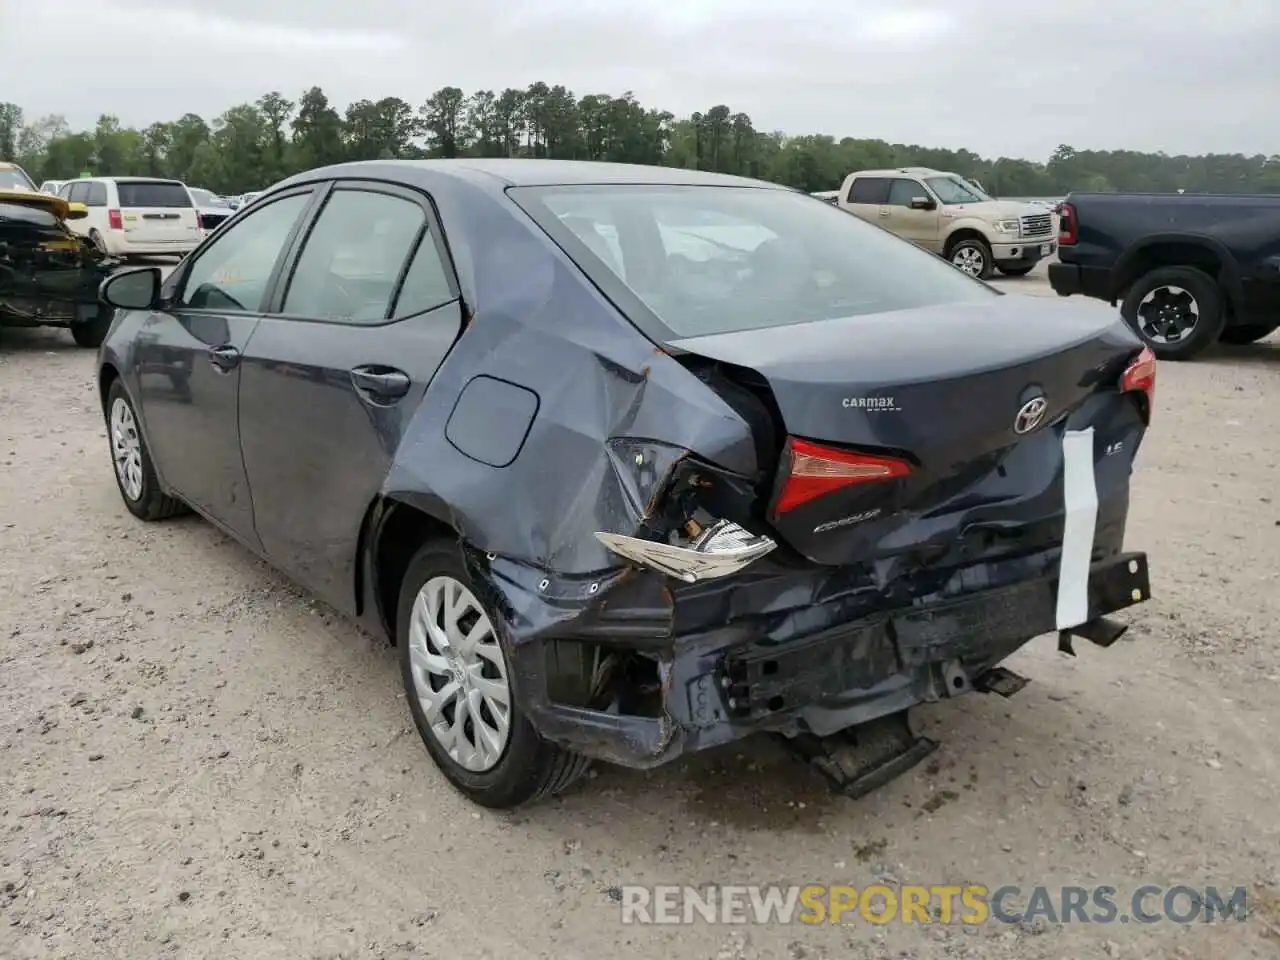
[{"x": 252, "y": 145}]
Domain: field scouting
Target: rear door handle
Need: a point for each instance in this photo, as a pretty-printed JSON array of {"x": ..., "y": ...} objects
[
  {"x": 225, "y": 358},
  {"x": 381, "y": 384},
  {"x": 884, "y": 213}
]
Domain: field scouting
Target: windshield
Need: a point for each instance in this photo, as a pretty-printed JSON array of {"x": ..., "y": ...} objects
[
  {"x": 955, "y": 190},
  {"x": 708, "y": 260},
  {"x": 12, "y": 178}
]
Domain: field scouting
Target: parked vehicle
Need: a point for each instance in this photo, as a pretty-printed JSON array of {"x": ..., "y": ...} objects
[
  {"x": 211, "y": 208},
  {"x": 51, "y": 187},
  {"x": 49, "y": 276},
  {"x": 1186, "y": 269},
  {"x": 135, "y": 216},
  {"x": 14, "y": 179},
  {"x": 630, "y": 462},
  {"x": 952, "y": 217}
]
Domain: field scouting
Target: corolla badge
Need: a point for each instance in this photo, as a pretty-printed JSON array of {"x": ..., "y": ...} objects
[{"x": 1030, "y": 414}]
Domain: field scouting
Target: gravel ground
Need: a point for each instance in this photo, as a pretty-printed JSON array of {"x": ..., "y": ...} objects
[{"x": 198, "y": 761}]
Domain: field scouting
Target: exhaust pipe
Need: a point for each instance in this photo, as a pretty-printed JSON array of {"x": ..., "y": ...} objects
[{"x": 1103, "y": 631}]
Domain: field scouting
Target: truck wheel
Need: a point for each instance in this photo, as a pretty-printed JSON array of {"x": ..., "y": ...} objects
[
  {"x": 1247, "y": 333},
  {"x": 1177, "y": 311},
  {"x": 1015, "y": 271},
  {"x": 457, "y": 679},
  {"x": 972, "y": 256}
]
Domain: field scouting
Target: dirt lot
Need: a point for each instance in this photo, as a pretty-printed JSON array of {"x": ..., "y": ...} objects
[{"x": 198, "y": 761}]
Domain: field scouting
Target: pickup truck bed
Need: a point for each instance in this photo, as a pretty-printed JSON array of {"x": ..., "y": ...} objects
[{"x": 1186, "y": 269}]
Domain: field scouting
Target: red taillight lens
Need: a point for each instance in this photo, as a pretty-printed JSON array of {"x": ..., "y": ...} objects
[
  {"x": 814, "y": 471},
  {"x": 1140, "y": 377},
  {"x": 114, "y": 220},
  {"x": 1067, "y": 228}
]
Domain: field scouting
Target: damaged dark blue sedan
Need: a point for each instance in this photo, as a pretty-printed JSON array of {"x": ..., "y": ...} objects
[{"x": 630, "y": 462}]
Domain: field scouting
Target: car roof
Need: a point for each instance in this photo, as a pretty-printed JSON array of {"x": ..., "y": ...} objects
[
  {"x": 500, "y": 173},
  {"x": 898, "y": 171}
]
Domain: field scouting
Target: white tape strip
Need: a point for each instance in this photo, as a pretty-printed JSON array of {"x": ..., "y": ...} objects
[{"x": 1080, "y": 493}]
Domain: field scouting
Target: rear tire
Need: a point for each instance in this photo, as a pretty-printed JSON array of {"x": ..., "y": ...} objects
[
  {"x": 526, "y": 768},
  {"x": 1177, "y": 311},
  {"x": 972, "y": 256},
  {"x": 1015, "y": 271},
  {"x": 1247, "y": 333},
  {"x": 131, "y": 462},
  {"x": 96, "y": 239}
]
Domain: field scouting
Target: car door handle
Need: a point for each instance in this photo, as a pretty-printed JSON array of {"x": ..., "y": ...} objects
[
  {"x": 381, "y": 384},
  {"x": 884, "y": 213},
  {"x": 225, "y": 357}
]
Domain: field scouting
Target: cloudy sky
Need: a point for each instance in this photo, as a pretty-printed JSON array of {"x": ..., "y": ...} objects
[{"x": 1003, "y": 77}]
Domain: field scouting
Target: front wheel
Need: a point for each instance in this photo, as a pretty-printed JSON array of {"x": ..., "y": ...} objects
[
  {"x": 1247, "y": 333},
  {"x": 457, "y": 679},
  {"x": 972, "y": 256},
  {"x": 1177, "y": 311},
  {"x": 135, "y": 473},
  {"x": 1015, "y": 271}
]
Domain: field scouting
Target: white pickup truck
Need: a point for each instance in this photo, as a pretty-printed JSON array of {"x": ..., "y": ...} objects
[{"x": 953, "y": 217}]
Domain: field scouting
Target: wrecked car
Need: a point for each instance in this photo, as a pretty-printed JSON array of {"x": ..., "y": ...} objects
[
  {"x": 49, "y": 276},
  {"x": 630, "y": 462}
]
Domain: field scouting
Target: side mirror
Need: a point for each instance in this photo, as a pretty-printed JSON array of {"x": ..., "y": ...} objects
[
  {"x": 77, "y": 211},
  {"x": 137, "y": 289},
  {"x": 923, "y": 203}
]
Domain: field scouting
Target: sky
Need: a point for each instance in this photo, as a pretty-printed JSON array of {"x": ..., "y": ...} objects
[{"x": 1001, "y": 77}]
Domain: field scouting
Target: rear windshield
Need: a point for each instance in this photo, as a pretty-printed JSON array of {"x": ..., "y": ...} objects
[
  {"x": 709, "y": 260},
  {"x": 152, "y": 193},
  {"x": 11, "y": 178}
]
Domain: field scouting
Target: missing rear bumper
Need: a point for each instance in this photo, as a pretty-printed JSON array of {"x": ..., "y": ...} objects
[{"x": 719, "y": 686}]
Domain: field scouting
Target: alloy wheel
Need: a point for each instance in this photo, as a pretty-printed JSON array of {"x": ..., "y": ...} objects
[
  {"x": 126, "y": 449},
  {"x": 1167, "y": 315},
  {"x": 460, "y": 674},
  {"x": 970, "y": 260}
]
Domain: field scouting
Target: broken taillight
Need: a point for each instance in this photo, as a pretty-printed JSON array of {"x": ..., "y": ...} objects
[
  {"x": 1140, "y": 377},
  {"x": 814, "y": 470}
]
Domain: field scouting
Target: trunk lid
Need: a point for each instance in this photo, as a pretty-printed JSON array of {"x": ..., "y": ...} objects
[{"x": 947, "y": 390}]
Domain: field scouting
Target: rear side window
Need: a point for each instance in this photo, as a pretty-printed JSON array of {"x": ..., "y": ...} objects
[
  {"x": 426, "y": 285},
  {"x": 79, "y": 192},
  {"x": 869, "y": 190},
  {"x": 97, "y": 196},
  {"x": 152, "y": 193},
  {"x": 354, "y": 257}
]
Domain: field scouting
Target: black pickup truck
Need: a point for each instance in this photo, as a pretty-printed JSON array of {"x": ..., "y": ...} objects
[{"x": 1187, "y": 269}]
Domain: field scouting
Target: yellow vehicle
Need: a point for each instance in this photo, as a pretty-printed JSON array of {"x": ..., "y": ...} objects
[{"x": 49, "y": 276}]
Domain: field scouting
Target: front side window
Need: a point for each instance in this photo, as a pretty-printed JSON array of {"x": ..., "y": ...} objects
[
  {"x": 904, "y": 191},
  {"x": 354, "y": 257},
  {"x": 709, "y": 260},
  {"x": 231, "y": 274}
]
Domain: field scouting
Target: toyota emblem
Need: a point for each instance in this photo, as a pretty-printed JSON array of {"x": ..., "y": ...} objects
[{"x": 1030, "y": 415}]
